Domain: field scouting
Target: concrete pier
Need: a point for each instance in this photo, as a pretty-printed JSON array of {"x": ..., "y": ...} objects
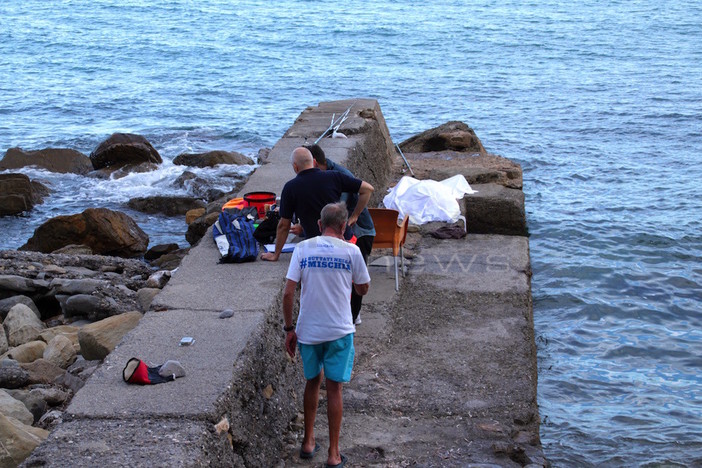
[{"x": 445, "y": 373}]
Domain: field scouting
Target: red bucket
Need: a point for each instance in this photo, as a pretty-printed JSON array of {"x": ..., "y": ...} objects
[{"x": 260, "y": 200}]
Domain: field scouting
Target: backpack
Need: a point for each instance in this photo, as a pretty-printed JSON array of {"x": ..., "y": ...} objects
[
  {"x": 268, "y": 228},
  {"x": 233, "y": 234}
]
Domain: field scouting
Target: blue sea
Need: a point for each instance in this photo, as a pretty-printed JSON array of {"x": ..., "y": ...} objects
[{"x": 600, "y": 102}]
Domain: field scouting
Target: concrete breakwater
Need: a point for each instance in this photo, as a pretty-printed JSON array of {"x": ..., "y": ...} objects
[{"x": 446, "y": 370}]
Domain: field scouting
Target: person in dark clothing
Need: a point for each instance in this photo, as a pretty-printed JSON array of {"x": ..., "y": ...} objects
[
  {"x": 363, "y": 229},
  {"x": 308, "y": 192}
]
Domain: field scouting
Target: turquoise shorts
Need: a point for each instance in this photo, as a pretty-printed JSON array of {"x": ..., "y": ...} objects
[{"x": 336, "y": 357}]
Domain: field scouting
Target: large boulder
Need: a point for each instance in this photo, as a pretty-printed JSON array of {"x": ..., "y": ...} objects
[
  {"x": 121, "y": 149},
  {"x": 98, "y": 339},
  {"x": 62, "y": 160},
  {"x": 105, "y": 231},
  {"x": 454, "y": 136},
  {"x": 22, "y": 325},
  {"x": 477, "y": 168},
  {"x": 169, "y": 206},
  {"x": 19, "y": 194},
  {"x": 212, "y": 158},
  {"x": 18, "y": 440}
]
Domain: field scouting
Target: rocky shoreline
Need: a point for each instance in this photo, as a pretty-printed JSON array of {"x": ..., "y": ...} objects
[
  {"x": 62, "y": 314},
  {"x": 80, "y": 284}
]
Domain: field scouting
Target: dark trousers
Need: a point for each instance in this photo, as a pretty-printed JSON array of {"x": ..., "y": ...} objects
[{"x": 365, "y": 244}]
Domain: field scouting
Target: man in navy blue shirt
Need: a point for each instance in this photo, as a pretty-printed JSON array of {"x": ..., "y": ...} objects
[
  {"x": 364, "y": 230},
  {"x": 306, "y": 195}
]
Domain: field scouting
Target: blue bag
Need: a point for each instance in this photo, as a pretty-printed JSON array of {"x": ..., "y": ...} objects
[{"x": 234, "y": 235}]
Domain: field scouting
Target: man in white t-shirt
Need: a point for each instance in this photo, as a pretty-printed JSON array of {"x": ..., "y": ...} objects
[{"x": 328, "y": 267}]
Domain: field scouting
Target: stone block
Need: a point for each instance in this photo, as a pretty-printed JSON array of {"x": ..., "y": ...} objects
[{"x": 495, "y": 209}]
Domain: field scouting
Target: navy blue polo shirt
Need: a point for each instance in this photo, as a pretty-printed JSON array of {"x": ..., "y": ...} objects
[{"x": 310, "y": 191}]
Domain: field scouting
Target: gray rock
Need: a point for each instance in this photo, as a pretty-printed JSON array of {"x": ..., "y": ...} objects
[
  {"x": 34, "y": 403},
  {"x": 6, "y": 305},
  {"x": 226, "y": 313},
  {"x": 13, "y": 376},
  {"x": 76, "y": 286},
  {"x": 53, "y": 396},
  {"x": 13, "y": 408},
  {"x": 22, "y": 325},
  {"x": 81, "y": 365},
  {"x": 81, "y": 305},
  {"x": 16, "y": 284},
  {"x": 69, "y": 381}
]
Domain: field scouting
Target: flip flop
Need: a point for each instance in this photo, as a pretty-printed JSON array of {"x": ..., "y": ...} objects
[
  {"x": 307, "y": 455},
  {"x": 339, "y": 465}
]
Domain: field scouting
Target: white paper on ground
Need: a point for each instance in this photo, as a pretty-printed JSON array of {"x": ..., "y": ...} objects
[
  {"x": 428, "y": 200},
  {"x": 286, "y": 248}
]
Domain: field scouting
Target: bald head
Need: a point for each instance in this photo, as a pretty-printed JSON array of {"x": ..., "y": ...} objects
[
  {"x": 301, "y": 159},
  {"x": 333, "y": 216}
]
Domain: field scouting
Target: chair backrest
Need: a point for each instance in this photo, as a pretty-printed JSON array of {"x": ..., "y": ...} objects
[{"x": 388, "y": 234}]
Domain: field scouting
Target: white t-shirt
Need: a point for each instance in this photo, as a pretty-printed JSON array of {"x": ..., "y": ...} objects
[{"x": 327, "y": 267}]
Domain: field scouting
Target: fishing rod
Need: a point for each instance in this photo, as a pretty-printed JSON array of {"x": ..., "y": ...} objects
[{"x": 335, "y": 124}]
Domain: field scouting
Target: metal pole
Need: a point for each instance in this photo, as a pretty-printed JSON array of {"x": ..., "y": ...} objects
[{"x": 404, "y": 159}]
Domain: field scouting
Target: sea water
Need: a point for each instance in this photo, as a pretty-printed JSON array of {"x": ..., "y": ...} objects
[{"x": 601, "y": 103}]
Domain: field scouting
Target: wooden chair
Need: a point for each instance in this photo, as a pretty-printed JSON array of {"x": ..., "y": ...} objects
[{"x": 390, "y": 235}]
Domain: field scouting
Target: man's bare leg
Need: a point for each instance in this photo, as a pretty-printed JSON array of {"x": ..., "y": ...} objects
[
  {"x": 335, "y": 409},
  {"x": 311, "y": 401}
]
